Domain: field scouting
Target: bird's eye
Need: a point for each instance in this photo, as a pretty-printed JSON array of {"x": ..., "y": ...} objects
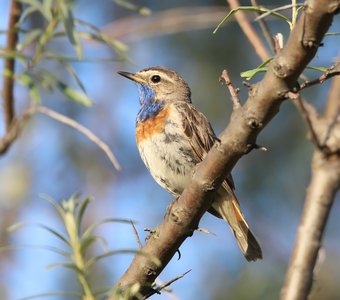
[{"x": 155, "y": 78}]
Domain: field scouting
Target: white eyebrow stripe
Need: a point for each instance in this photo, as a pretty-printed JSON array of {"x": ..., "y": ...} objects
[{"x": 162, "y": 74}]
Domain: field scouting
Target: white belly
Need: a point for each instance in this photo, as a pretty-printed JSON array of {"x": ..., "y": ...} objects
[{"x": 169, "y": 163}]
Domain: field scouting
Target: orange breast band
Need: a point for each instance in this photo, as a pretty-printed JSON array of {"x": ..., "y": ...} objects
[{"x": 151, "y": 126}]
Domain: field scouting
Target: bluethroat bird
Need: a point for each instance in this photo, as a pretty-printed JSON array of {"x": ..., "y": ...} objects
[{"x": 173, "y": 136}]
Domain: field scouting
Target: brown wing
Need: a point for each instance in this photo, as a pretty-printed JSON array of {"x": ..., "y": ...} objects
[{"x": 201, "y": 135}]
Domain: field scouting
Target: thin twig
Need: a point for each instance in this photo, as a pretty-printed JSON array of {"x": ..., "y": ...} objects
[
  {"x": 206, "y": 231},
  {"x": 284, "y": 7},
  {"x": 15, "y": 129},
  {"x": 259, "y": 147},
  {"x": 325, "y": 179},
  {"x": 165, "y": 284},
  {"x": 265, "y": 28},
  {"x": 233, "y": 91},
  {"x": 89, "y": 134},
  {"x": 8, "y": 81},
  {"x": 140, "y": 245},
  {"x": 325, "y": 76},
  {"x": 249, "y": 31},
  {"x": 309, "y": 113}
]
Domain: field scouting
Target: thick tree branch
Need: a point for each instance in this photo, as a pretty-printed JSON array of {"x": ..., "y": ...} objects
[
  {"x": 8, "y": 81},
  {"x": 320, "y": 195},
  {"x": 319, "y": 199},
  {"x": 264, "y": 100}
]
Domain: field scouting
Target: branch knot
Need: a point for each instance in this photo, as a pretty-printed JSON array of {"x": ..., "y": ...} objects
[
  {"x": 254, "y": 123},
  {"x": 280, "y": 70}
]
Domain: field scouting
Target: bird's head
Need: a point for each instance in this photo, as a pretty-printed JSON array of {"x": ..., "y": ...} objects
[{"x": 159, "y": 84}]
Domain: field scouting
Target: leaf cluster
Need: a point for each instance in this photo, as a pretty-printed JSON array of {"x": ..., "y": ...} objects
[
  {"x": 263, "y": 12},
  {"x": 59, "y": 22},
  {"x": 76, "y": 243}
]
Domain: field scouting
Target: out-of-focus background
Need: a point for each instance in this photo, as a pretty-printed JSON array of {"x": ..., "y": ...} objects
[{"x": 51, "y": 158}]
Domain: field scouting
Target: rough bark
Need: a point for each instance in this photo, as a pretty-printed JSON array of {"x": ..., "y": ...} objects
[{"x": 321, "y": 192}]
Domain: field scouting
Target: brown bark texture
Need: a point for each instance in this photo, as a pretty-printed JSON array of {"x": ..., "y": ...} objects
[{"x": 321, "y": 192}]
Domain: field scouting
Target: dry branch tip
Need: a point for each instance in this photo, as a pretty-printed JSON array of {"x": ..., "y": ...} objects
[
  {"x": 232, "y": 90},
  {"x": 135, "y": 232},
  {"x": 165, "y": 284}
]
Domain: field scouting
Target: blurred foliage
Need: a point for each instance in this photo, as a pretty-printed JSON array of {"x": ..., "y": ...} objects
[
  {"x": 33, "y": 52},
  {"x": 77, "y": 241},
  {"x": 55, "y": 36}
]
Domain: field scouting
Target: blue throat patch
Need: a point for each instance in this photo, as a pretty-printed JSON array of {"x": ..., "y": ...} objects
[
  {"x": 149, "y": 105},
  {"x": 146, "y": 94}
]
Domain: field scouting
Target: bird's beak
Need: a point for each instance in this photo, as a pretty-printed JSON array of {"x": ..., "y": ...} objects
[{"x": 132, "y": 77}]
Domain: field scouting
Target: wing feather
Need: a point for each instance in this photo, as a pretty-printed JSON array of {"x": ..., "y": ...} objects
[{"x": 200, "y": 135}]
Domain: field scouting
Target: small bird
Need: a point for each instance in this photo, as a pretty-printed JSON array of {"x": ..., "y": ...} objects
[{"x": 173, "y": 136}]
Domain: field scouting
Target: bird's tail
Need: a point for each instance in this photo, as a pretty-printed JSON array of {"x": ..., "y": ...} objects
[{"x": 229, "y": 209}]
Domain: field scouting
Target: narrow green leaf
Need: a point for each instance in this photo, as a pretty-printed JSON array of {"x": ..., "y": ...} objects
[
  {"x": 95, "y": 259},
  {"x": 116, "y": 45},
  {"x": 101, "y": 291},
  {"x": 320, "y": 69},
  {"x": 73, "y": 73},
  {"x": 50, "y": 55},
  {"x": 71, "y": 93},
  {"x": 55, "y": 204},
  {"x": 92, "y": 227},
  {"x": 69, "y": 25},
  {"x": 100, "y": 36},
  {"x": 44, "y": 39},
  {"x": 261, "y": 68},
  {"x": 46, "y": 9},
  {"x": 251, "y": 73},
  {"x": 67, "y": 18},
  {"x": 81, "y": 211},
  {"x": 29, "y": 10},
  {"x": 34, "y": 92},
  {"x": 29, "y": 38},
  {"x": 89, "y": 240},
  {"x": 40, "y": 247},
  {"x": 18, "y": 226},
  {"x": 66, "y": 265},
  {"x": 34, "y": 3},
  {"x": 4, "y": 53},
  {"x": 251, "y": 8},
  {"x": 43, "y": 7},
  {"x": 129, "y": 5},
  {"x": 266, "y": 62},
  {"x": 76, "y": 295}
]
